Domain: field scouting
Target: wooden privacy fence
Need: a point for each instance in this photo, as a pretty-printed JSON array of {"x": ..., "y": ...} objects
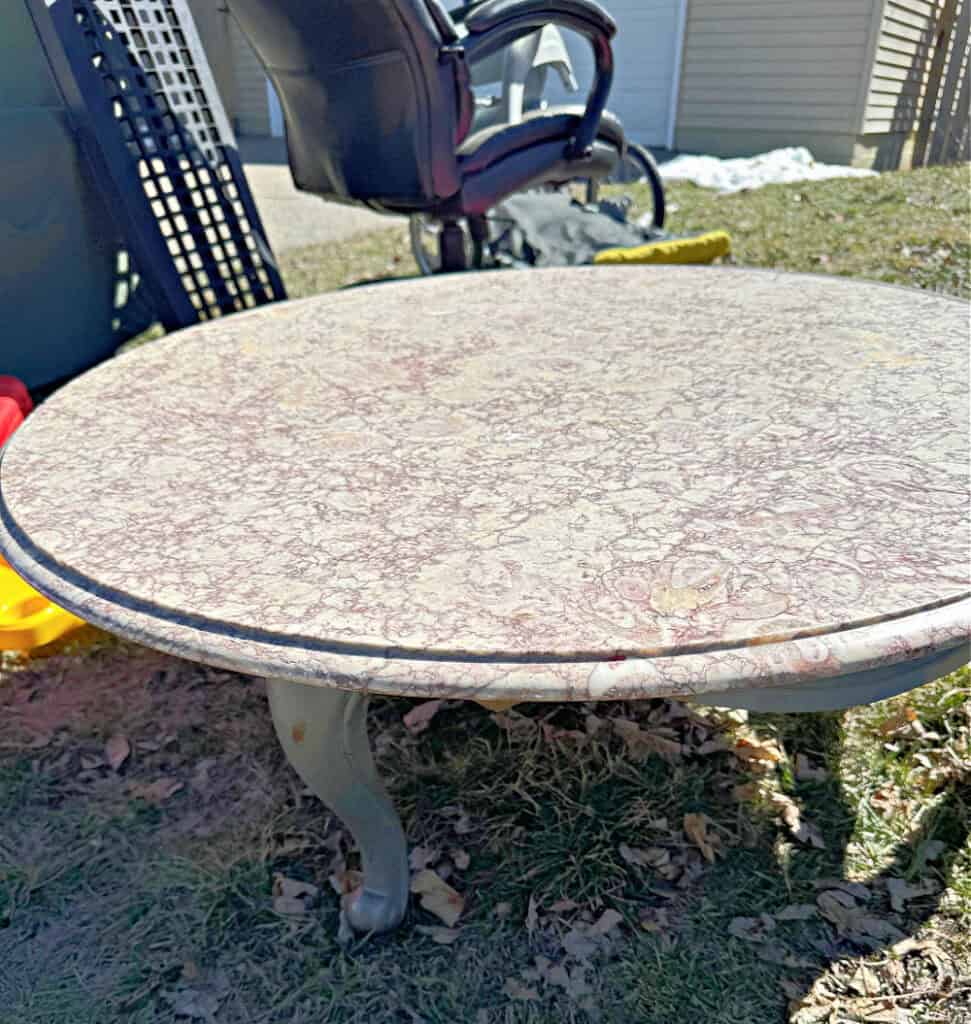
[{"x": 943, "y": 133}]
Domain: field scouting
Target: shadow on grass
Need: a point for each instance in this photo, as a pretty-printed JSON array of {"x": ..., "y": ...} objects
[
  {"x": 118, "y": 907},
  {"x": 908, "y": 860}
]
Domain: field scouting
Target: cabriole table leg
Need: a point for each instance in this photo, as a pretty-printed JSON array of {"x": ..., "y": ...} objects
[{"x": 324, "y": 734}]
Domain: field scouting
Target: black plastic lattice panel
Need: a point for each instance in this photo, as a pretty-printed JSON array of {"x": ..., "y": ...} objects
[{"x": 156, "y": 134}]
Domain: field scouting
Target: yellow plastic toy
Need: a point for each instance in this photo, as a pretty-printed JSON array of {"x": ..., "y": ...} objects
[
  {"x": 28, "y": 619},
  {"x": 701, "y": 248}
]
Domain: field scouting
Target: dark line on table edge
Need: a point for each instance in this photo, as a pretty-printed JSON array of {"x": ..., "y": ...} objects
[{"x": 202, "y": 624}]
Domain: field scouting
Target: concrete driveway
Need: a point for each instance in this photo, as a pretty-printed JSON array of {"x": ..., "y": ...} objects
[{"x": 293, "y": 219}]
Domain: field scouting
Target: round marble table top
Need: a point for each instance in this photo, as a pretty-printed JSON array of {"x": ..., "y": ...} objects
[{"x": 515, "y": 485}]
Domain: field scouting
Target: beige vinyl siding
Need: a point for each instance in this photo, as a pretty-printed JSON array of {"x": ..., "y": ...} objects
[
  {"x": 900, "y": 67},
  {"x": 213, "y": 28},
  {"x": 758, "y": 74},
  {"x": 252, "y": 112}
]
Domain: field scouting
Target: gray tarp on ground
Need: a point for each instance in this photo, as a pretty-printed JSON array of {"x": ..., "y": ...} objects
[{"x": 549, "y": 229}]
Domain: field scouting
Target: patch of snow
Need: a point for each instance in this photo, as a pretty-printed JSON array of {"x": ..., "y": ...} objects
[{"x": 778, "y": 167}]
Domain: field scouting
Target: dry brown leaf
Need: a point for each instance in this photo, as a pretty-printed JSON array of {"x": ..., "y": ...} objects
[
  {"x": 752, "y": 929},
  {"x": 865, "y": 981},
  {"x": 292, "y": 897},
  {"x": 641, "y": 743},
  {"x": 654, "y": 919},
  {"x": 748, "y": 792},
  {"x": 654, "y": 857},
  {"x": 554, "y": 735},
  {"x": 517, "y": 990},
  {"x": 345, "y": 881},
  {"x": 758, "y": 753},
  {"x": 804, "y": 831},
  {"x": 696, "y": 829},
  {"x": 420, "y": 716},
  {"x": 514, "y": 723},
  {"x": 460, "y": 858},
  {"x": 563, "y": 906},
  {"x": 912, "y": 945},
  {"x": 443, "y": 936},
  {"x": 117, "y": 751},
  {"x": 901, "y": 893},
  {"x": 593, "y": 724},
  {"x": 606, "y": 923},
  {"x": 796, "y": 912},
  {"x": 716, "y": 745},
  {"x": 855, "y": 889},
  {"x": 438, "y": 897},
  {"x": 855, "y": 922},
  {"x": 579, "y": 944},
  {"x": 805, "y": 772},
  {"x": 422, "y": 857},
  {"x": 900, "y": 724},
  {"x": 156, "y": 792}
]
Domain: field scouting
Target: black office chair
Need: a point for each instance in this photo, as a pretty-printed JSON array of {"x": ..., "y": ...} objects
[{"x": 378, "y": 105}]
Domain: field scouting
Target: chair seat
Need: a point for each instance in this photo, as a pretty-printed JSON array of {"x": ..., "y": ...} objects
[{"x": 495, "y": 142}]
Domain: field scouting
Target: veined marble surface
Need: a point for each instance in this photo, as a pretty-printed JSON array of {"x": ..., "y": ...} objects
[{"x": 500, "y": 485}]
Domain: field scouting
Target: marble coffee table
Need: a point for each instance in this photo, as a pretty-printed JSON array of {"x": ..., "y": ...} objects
[{"x": 738, "y": 487}]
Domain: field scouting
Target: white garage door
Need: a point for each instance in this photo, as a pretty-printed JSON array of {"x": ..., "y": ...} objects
[{"x": 645, "y": 56}]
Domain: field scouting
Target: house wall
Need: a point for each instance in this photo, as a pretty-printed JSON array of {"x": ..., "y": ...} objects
[
  {"x": 213, "y": 27},
  {"x": 252, "y": 108},
  {"x": 901, "y": 63},
  {"x": 235, "y": 67},
  {"x": 761, "y": 74}
]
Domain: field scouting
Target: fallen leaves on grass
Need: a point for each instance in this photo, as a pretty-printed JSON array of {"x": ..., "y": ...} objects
[
  {"x": 442, "y": 936},
  {"x": 901, "y": 892},
  {"x": 117, "y": 751},
  {"x": 900, "y": 724},
  {"x": 156, "y": 792},
  {"x": 642, "y": 743},
  {"x": 876, "y": 991},
  {"x": 198, "y": 999},
  {"x": 758, "y": 754},
  {"x": 514, "y": 723},
  {"x": 791, "y": 815},
  {"x": 422, "y": 857},
  {"x": 796, "y": 912},
  {"x": 516, "y": 989},
  {"x": 438, "y": 897},
  {"x": 752, "y": 929},
  {"x": 654, "y": 857},
  {"x": 805, "y": 772},
  {"x": 853, "y": 921},
  {"x": 696, "y": 828},
  {"x": 418, "y": 719},
  {"x": 460, "y": 858},
  {"x": 291, "y": 897}
]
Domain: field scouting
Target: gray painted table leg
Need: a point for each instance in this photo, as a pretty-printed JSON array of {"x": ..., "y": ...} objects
[{"x": 324, "y": 734}]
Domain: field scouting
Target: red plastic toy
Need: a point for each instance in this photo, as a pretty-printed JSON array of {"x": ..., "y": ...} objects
[
  {"x": 11, "y": 416},
  {"x": 11, "y": 387},
  {"x": 27, "y": 619}
]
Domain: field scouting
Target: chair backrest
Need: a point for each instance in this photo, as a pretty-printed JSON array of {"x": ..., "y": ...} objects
[{"x": 370, "y": 105}]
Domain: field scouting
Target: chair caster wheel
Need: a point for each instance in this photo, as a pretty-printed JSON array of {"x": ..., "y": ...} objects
[{"x": 452, "y": 248}]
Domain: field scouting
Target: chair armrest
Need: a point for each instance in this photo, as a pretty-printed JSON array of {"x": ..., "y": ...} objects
[
  {"x": 459, "y": 14},
  {"x": 495, "y": 24},
  {"x": 483, "y": 17}
]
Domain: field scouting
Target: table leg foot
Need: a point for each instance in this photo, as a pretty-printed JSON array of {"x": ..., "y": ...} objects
[{"x": 324, "y": 734}]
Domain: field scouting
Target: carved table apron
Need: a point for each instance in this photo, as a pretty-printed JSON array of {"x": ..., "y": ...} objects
[{"x": 738, "y": 487}]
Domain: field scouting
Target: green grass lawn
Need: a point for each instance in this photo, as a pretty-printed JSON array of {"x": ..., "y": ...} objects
[{"x": 765, "y": 869}]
